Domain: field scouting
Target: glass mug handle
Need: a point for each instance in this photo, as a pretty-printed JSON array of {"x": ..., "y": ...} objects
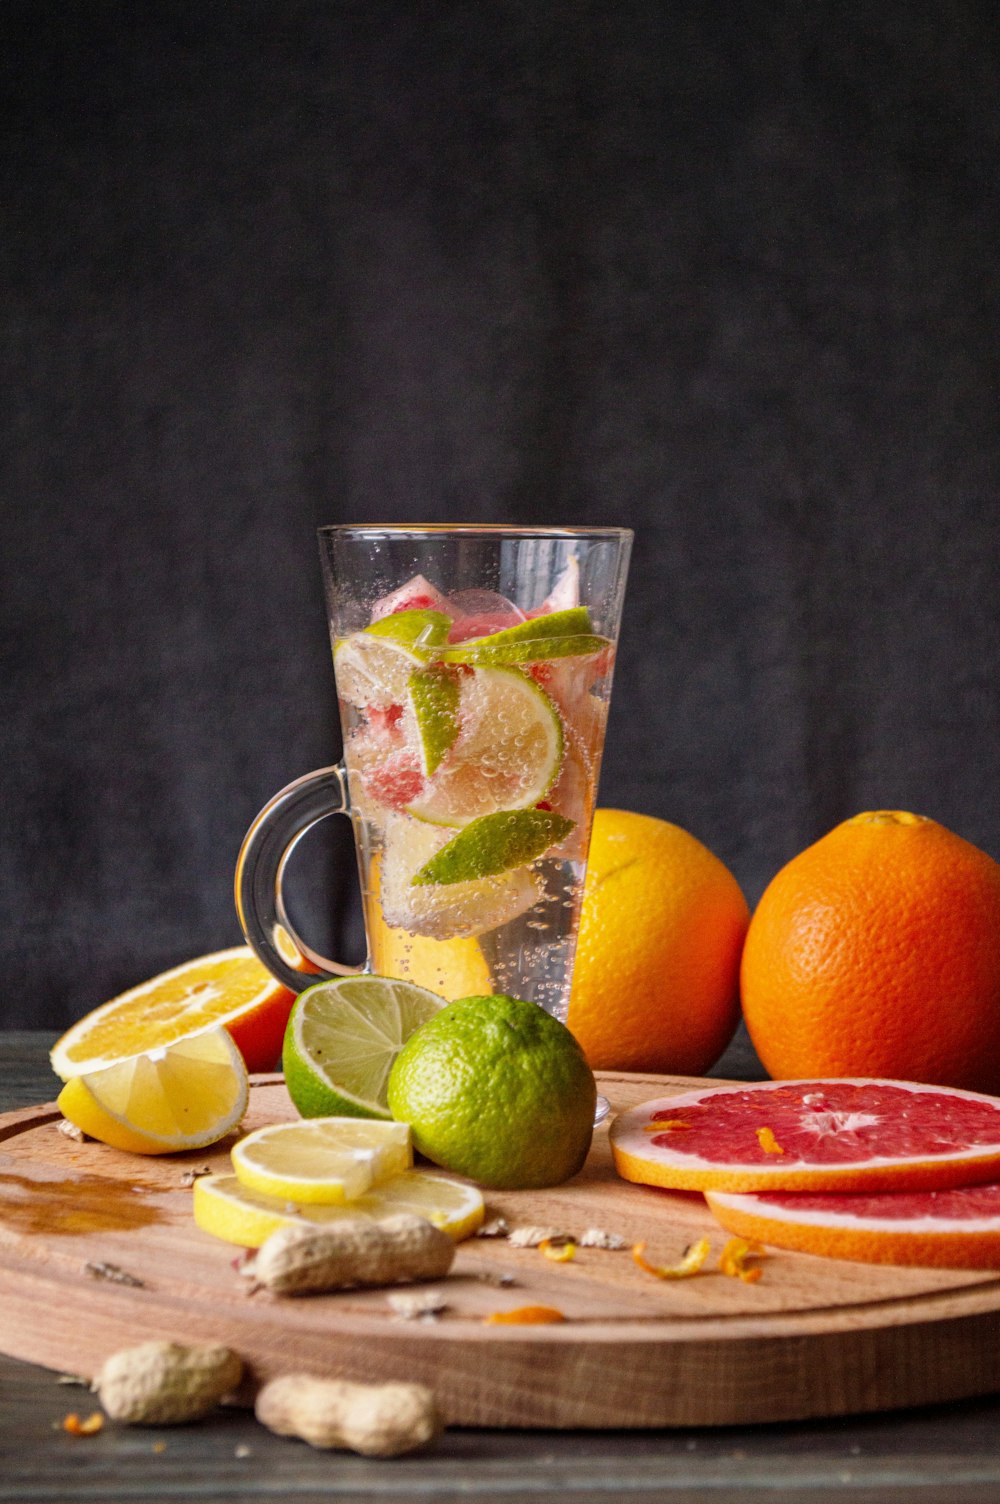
[{"x": 260, "y": 871}]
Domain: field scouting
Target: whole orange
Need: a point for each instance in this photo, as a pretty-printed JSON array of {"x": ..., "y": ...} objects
[
  {"x": 655, "y": 985},
  {"x": 876, "y": 952}
]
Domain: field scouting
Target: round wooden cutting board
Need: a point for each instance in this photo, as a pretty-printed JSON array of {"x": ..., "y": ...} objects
[{"x": 98, "y": 1249}]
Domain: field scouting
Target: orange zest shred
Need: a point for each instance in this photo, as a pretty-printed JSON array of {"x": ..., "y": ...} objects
[
  {"x": 668, "y": 1125},
  {"x": 559, "y": 1253},
  {"x": 693, "y": 1259},
  {"x": 526, "y": 1316},
  {"x": 77, "y": 1427},
  {"x": 768, "y": 1142},
  {"x": 732, "y": 1260}
]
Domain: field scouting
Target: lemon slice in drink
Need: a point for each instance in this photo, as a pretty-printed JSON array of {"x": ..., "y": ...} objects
[
  {"x": 507, "y": 754},
  {"x": 180, "y": 1096},
  {"x": 322, "y": 1160},
  {"x": 227, "y": 1209},
  {"x": 373, "y": 667},
  {"x": 342, "y": 1038},
  {"x": 444, "y": 911}
]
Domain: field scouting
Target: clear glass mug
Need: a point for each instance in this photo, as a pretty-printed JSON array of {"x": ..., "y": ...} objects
[{"x": 473, "y": 669}]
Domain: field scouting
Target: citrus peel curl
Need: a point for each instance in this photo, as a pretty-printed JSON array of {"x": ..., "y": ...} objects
[{"x": 692, "y": 1261}]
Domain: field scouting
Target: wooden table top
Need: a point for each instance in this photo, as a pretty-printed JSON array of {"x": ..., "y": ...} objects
[{"x": 935, "y": 1455}]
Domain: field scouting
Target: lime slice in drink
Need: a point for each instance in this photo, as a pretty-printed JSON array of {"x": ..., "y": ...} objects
[
  {"x": 559, "y": 634},
  {"x": 434, "y": 697},
  {"x": 342, "y": 1038},
  {"x": 229, "y": 1210},
  {"x": 443, "y": 912},
  {"x": 373, "y": 667},
  {"x": 494, "y": 844},
  {"x": 324, "y": 1161},
  {"x": 507, "y": 755}
]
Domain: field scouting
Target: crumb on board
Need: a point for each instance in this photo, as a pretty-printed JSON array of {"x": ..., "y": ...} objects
[
  {"x": 531, "y": 1237},
  {"x": 418, "y": 1305},
  {"x": 497, "y": 1227}
]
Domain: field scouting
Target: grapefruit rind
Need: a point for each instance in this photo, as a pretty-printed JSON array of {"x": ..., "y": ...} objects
[
  {"x": 641, "y": 1156},
  {"x": 928, "y": 1241}
]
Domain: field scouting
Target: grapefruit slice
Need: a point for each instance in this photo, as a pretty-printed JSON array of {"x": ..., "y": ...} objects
[
  {"x": 831, "y": 1134},
  {"x": 958, "y": 1228}
]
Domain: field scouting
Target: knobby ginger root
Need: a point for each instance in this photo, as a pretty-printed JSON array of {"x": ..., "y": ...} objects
[
  {"x": 165, "y": 1383},
  {"x": 377, "y": 1420},
  {"x": 303, "y": 1258}
]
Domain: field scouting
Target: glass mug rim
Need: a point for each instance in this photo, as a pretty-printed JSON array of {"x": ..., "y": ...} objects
[{"x": 482, "y": 529}]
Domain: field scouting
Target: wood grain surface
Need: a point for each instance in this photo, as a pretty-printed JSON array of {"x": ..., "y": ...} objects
[{"x": 813, "y": 1337}]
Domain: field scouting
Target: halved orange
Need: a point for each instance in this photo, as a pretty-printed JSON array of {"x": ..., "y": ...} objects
[{"x": 230, "y": 987}]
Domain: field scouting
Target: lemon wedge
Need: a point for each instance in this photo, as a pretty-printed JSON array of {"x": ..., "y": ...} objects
[{"x": 180, "y": 1096}]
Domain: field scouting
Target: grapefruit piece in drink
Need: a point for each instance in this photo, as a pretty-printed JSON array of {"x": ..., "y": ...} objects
[
  {"x": 957, "y": 1228},
  {"x": 828, "y": 1134}
]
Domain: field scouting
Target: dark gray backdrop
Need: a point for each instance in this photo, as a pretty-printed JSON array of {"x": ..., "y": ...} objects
[{"x": 725, "y": 273}]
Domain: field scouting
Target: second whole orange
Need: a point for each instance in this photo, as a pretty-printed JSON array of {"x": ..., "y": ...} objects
[
  {"x": 876, "y": 952},
  {"x": 655, "y": 985}
]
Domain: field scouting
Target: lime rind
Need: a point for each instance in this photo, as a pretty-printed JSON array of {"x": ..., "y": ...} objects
[
  {"x": 420, "y": 631},
  {"x": 559, "y": 634},
  {"x": 459, "y": 911},
  {"x": 342, "y": 1038},
  {"x": 434, "y": 697},
  {"x": 495, "y": 844}
]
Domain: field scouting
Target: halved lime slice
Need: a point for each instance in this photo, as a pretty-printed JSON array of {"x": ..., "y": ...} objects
[
  {"x": 434, "y": 697},
  {"x": 322, "y": 1160},
  {"x": 342, "y": 1038},
  {"x": 373, "y": 666},
  {"x": 559, "y": 634},
  {"x": 438, "y": 911},
  {"x": 227, "y": 1209},
  {"x": 507, "y": 755},
  {"x": 494, "y": 844}
]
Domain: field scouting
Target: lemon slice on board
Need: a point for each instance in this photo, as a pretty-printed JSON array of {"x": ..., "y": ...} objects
[
  {"x": 322, "y": 1160},
  {"x": 181, "y": 1096},
  {"x": 226, "y": 1208}
]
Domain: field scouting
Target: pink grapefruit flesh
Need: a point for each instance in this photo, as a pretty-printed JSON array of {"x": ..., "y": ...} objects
[
  {"x": 958, "y": 1228},
  {"x": 835, "y": 1135}
]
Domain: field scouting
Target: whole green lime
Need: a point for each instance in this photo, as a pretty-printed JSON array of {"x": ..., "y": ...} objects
[{"x": 497, "y": 1089}]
